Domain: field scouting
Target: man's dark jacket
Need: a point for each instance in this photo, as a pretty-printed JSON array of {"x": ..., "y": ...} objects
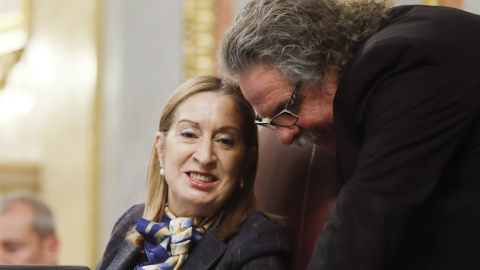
[
  {"x": 407, "y": 121},
  {"x": 259, "y": 244}
]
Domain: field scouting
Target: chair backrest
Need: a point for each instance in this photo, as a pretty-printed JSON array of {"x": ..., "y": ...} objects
[{"x": 301, "y": 185}]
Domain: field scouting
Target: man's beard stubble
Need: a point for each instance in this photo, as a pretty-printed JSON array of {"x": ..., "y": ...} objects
[{"x": 308, "y": 138}]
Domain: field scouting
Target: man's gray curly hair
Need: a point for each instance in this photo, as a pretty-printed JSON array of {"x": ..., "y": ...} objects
[{"x": 301, "y": 39}]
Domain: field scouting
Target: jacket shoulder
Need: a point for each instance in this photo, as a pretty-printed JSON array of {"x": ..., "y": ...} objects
[
  {"x": 259, "y": 244},
  {"x": 119, "y": 253},
  {"x": 128, "y": 219}
]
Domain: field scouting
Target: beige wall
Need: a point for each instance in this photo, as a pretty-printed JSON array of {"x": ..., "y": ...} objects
[
  {"x": 59, "y": 70},
  {"x": 141, "y": 65}
]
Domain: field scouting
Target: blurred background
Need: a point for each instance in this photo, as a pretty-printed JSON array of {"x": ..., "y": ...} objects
[{"x": 82, "y": 85}]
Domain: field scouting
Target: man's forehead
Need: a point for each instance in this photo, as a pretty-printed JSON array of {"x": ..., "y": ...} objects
[{"x": 264, "y": 89}]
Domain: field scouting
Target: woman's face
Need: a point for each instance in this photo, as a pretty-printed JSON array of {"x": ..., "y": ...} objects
[{"x": 204, "y": 154}]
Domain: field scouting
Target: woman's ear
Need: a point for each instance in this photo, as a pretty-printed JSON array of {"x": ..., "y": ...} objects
[{"x": 160, "y": 144}]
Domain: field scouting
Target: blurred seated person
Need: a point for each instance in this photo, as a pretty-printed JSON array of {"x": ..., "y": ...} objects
[
  {"x": 200, "y": 211},
  {"x": 27, "y": 231}
]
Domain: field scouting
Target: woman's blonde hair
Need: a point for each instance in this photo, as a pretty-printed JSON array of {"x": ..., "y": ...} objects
[{"x": 242, "y": 202}]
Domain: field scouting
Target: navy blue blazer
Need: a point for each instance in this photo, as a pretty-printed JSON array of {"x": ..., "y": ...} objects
[
  {"x": 259, "y": 244},
  {"x": 407, "y": 123}
]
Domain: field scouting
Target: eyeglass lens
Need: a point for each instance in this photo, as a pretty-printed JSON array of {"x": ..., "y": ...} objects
[{"x": 284, "y": 120}]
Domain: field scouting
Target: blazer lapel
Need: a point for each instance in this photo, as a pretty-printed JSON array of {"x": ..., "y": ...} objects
[{"x": 206, "y": 253}]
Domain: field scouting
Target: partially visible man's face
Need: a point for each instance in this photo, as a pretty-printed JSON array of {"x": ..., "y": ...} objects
[
  {"x": 268, "y": 93},
  {"x": 18, "y": 243}
]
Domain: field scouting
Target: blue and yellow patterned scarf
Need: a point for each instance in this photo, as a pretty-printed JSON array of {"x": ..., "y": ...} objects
[{"x": 167, "y": 242}]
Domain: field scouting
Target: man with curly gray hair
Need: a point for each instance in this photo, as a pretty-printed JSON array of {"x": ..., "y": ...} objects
[{"x": 395, "y": 93}]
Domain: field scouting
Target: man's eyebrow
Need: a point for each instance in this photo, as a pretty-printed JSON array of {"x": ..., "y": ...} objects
[
  {"x": 13, "y": 242},
  {"x": 280, "y": 106}
]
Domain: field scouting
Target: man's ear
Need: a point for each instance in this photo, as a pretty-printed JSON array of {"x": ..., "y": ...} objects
[
  {"x": 160, "y": 144},
  {"x": 50, "y": 245}
]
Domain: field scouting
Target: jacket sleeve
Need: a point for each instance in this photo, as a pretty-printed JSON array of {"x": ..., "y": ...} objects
[{"x": 410, "y": 119}]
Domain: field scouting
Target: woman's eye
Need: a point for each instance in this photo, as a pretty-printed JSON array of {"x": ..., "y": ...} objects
[
  {"x": 226, "y": 141},
  {"x": 188, "y": 134}
]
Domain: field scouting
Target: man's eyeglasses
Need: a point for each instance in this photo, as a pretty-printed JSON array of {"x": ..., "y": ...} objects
[{"x": 285, "y": 118}]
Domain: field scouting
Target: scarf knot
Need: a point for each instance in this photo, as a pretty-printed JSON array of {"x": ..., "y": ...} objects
[{"x": 167, "y": 243}]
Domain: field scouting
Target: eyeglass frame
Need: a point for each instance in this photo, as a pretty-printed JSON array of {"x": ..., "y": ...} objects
[{"x": 265, "y": 122}]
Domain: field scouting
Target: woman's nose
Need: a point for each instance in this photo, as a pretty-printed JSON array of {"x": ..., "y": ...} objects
[
  {"x": 287, "y": 135},
  {"x": 204, "y": 153}
]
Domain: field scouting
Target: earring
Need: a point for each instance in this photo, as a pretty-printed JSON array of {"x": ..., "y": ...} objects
[
  {"x": 162, "y": 171},
  {"x": 241, "y": 183}
]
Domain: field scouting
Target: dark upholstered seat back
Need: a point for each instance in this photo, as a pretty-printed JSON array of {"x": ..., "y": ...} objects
[{"x": 292, "y": 183}]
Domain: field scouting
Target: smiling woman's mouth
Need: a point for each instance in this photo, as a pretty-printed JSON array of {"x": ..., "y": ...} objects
[{"x": 202, "y": 178}]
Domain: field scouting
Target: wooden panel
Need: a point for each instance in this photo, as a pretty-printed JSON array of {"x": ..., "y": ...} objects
[
  {"x": 447, "y": 3},
  {"x": 199, "y": 45},
  {"x": 19, "y": 176},
  {"x": 452, "y": 3}
]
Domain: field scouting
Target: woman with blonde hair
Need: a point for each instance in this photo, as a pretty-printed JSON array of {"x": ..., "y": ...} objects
[{"x": 200, "y": 211}]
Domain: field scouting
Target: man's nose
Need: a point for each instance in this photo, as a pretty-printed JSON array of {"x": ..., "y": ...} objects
[{"x": 287, "y": 135}]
